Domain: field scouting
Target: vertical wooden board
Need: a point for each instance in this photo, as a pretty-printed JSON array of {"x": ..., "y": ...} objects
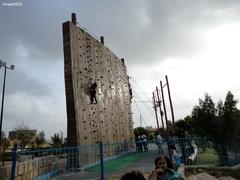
[{"x": 94, "y": 62}]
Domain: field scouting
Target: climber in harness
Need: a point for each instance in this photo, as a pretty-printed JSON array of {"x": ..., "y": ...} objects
[{"x": 93, "y": 93}]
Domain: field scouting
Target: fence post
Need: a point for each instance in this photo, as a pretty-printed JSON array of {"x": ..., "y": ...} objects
[
  {"x": 14, "y": 160},
  {"x": 169, "y": 146},
  {"x": 101, "y": 160}
]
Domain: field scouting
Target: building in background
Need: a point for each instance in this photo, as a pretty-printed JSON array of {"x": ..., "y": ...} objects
[
  {"x": 14, "y": 134},
  {"x": 87, "y": 61},
  {"x": 152, "y": 132}
]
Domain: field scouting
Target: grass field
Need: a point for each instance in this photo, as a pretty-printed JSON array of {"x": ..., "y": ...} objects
[
  {"x": 119, "y": 163},
  {"x": 209, "y": 156}
]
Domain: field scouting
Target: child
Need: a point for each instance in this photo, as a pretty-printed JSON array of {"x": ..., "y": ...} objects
[
  {"x": 164, "y": 170},
  {"x": 176, "y": 159},
  {"x": 133, "y": 175}
]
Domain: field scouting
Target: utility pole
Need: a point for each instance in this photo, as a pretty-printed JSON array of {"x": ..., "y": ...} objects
[
  {"x": 160, "y": 109},
  {"x": 169, "y": 95},
  {"x": 140, "y": 120},
  {"x": 164, "y": 107},
  {"x": 155, "y": 109}
]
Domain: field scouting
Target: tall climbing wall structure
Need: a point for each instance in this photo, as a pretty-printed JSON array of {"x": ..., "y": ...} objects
[{"x": 87, "y": 60}]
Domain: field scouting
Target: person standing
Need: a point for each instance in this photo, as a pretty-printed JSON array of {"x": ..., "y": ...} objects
[
  {"x": 139, "y": 144},
  {"x": 159, "y": 141},
  {"x": 145, "y": 143}
]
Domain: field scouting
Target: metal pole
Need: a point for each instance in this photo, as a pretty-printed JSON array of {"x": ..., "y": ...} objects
[
  {"x": 170, "y": 101},
  {"x": 3, "y": 93},
  {"x": 101, "y": 160},
  {"x": 155, "y": 109},
  {"x": 160, "y": 109},
  {"x": 164, "y": 107},
  {"x": 14, "y": 162},
  {"x": 3, "y": 156}
]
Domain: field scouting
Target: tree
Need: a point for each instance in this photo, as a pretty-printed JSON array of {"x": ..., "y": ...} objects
[
  {"x": 57, "y": 139},
  {"x": 181, "y": 128},
  {"x": 229, "y": 120},
  {"x": 204, "y": 117},
  {"x": 189, "y": 125},
  {"x": 228, "y": 125},
  {"x": 6, "y": 142},
  {"x": 221, "y": 124},
  {"x": 65, "y": 144},
  {"x": 139, "y": 131},
  {"x": 220, "y": 108},
  {"x": 171, "y": 128},
  {"x": 40, "y": 138}
]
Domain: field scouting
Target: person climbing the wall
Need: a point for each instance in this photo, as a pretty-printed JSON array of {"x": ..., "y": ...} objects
[{"x": 93, "y": 93}]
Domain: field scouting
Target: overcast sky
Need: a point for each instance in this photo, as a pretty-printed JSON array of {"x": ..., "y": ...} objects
[{"x": 195, "y": 43}]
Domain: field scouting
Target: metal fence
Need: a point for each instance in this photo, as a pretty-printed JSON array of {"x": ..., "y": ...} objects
[{"x": 101, "y": 161}]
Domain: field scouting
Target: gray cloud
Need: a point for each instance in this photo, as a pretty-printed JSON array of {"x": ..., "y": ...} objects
[
  {"x": 37, "y": 25},
  {"x": 135, "y": 30},
  {"x": 18, "y": 82},
  {"x": 36, "y": 112},
  {"x": 150, "y": 31},
  {"x": 146, "y": 33}
]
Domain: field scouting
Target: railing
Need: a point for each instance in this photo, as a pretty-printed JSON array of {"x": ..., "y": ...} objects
[{"x": 107, "y": 160}]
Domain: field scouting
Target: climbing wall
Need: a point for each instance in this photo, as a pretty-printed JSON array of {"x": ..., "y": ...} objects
[{"x": 87, "y": 60}]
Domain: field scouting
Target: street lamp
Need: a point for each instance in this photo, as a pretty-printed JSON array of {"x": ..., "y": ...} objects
[{"x": 4, "y": 65}]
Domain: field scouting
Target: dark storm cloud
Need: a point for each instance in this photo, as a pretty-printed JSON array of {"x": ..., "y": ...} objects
[
  {"x": 30, "y": 36},
  {"x": 141, "y": 31},
  {"x": 144, "y": 32},
  {"x": 18, "y": 82},
  {"x": 36, "y": 24}
]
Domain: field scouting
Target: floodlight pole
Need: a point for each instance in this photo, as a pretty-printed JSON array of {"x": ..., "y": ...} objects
[
  {"x": 4, "y": 65},
  {"x": 3, "y": 93}
]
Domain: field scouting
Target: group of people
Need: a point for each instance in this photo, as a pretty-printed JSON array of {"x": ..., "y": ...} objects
[
  {"x": 181, "y": 152},
  {"x": 163, "y": 171},
  {"x": 142, "y": 143},
  {"x": 165, "y": 168}
]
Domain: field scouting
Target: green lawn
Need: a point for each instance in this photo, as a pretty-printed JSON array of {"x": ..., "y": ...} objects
[
  {"x": 209, "y": 156},
  {"x": 114, "y": 165}
]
